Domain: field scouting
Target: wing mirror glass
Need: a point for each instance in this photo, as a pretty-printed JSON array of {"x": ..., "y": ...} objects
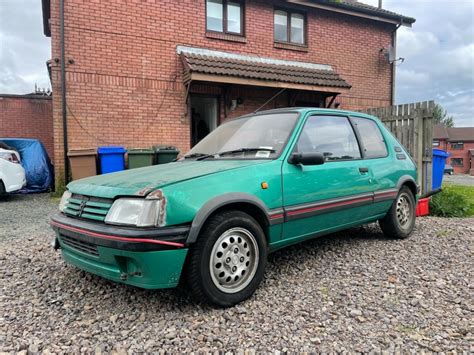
[{"x": 306, "y": 159}]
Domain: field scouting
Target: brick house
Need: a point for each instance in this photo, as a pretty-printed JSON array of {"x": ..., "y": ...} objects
[
  {"x": 27, "y": 116},
  {"x": 168, "y": 71},
  {"x": 459, "y": 142}
]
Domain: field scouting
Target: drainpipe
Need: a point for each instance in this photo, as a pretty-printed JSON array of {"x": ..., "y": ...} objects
[
  {"x": 394, "y": 45},
  {"x": 63, "y": 91}
]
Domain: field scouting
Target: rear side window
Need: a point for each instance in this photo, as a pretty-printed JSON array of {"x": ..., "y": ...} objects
[
  {"x": 372, "y": 143},
  {"x": 331, "y": 136}
]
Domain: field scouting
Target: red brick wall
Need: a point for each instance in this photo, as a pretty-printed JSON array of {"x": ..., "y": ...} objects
[
  {"x": 125, "y": 84},
  {"x": 26, "y": 117}
]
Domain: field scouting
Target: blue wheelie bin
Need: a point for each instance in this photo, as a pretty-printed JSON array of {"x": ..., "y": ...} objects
[
  {"x": 111, "y": 159},
  {"x": 439, "y": 161}
]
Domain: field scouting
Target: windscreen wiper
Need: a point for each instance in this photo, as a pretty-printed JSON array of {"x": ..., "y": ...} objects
[
  {"x": 199, "y": 156},
  {"x": 245, "y": 150}
]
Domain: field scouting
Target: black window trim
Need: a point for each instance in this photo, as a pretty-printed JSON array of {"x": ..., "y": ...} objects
[
  {"x": 453, "y": 144},
  {"x": 361, "y": 143},
  {"x": 224, "y": 19},
  {"x": 289, "y": 12},
  {"x": 329, "y": 115}
]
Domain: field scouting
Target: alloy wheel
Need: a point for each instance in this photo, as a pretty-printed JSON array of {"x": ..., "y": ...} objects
[{"x": 234, "y": 260}]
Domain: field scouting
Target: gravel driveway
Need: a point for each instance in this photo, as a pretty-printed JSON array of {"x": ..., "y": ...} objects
[{"x": 349, "y": 291}]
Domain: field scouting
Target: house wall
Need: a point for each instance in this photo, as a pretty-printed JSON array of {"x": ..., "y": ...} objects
[
  {"x": 464, "y": 154},
  {"x": 468, "y": 166},
  {"x": 27, "y": 117},
  {"x": 125, "y": 84}
]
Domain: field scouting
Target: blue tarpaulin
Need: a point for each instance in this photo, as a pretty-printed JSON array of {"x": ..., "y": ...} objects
[{"x": 35, "y": 160}]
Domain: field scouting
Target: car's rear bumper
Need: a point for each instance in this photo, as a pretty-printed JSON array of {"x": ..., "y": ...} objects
[
  {"x": 150, "y": 258},
  {"x": 15, "y": 180}
]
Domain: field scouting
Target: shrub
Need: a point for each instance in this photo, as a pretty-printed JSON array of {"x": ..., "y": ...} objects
[{"x": 453, "y": 201}]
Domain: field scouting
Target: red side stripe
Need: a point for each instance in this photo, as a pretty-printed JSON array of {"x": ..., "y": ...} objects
[
  {"x": 385, "y": 194},
  {"x": 111, "y": 237},
  {"x": 276, "y": 216},
  {"x": 335, "y": 204}
]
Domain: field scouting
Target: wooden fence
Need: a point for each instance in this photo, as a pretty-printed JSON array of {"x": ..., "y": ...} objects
[{"x": 412, "y": 125}]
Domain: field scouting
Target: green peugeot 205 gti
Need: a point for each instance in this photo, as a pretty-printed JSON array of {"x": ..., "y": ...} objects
[{"x": 256, "y": 184}]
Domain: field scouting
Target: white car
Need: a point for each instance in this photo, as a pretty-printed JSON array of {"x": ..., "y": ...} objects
[{"x": 12, "y": 174}]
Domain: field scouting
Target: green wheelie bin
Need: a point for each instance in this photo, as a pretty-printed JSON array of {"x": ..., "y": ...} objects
[
  {"x": 140, "y": 157},
  {"x": 164, "y": 154}
]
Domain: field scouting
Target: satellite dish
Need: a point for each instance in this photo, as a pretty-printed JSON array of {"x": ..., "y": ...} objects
[{"x": 391, "y": 54}]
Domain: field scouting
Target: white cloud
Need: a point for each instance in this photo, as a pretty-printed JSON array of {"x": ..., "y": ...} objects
[
  {"x": 439, "y": 54},
  {"x": 24, "y": 49}
]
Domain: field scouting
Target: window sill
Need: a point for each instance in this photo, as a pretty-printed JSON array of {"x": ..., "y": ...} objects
[
  {"x": 291, "y": 46},
  {"x": 226, "y": 37}
]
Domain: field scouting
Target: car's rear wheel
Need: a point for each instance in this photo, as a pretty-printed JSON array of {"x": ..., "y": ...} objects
[
  {"x": 228, "y": 260},
  {"x": 400, "y": 219}
]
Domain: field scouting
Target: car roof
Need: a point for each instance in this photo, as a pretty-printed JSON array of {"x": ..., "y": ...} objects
[{"x": 312, "y": 109}]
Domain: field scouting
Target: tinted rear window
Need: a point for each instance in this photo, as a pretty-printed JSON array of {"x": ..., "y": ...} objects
[{"x": 373, "y": 143}]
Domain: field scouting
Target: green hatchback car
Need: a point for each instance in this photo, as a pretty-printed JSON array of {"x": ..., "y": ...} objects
[{"x": 256, "y": 184}]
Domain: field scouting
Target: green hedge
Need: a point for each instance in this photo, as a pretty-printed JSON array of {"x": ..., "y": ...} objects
[{"x": 453, "y": 201}]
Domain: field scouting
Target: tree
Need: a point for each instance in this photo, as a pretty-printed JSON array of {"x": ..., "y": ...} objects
[{"x": 440, "y": 116}]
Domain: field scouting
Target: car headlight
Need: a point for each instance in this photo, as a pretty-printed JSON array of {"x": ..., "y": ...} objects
[
  {"x": 138, "y": 212},
  {"x": 66, "y": 196}
]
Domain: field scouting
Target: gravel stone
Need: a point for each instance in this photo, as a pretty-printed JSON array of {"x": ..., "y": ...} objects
[{"x": 354, "y": 291}]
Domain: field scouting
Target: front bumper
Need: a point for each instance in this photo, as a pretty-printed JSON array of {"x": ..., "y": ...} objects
[{"x": 146, "y": 258}]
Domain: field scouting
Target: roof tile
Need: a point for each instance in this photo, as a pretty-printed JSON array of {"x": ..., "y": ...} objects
[{"x": 251, "y": 69}]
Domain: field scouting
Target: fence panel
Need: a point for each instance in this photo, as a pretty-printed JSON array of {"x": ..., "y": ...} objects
[{"x": 412, "y": 125}]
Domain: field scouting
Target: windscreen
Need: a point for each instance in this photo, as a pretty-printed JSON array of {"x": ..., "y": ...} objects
[{"x": 250, "y": 137}]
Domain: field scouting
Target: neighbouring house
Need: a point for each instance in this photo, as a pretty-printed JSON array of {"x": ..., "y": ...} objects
[
  {"x": 145, "y": 72},
  {"x": 28, "y": 116},
  {"x": 459, "y": 143}
]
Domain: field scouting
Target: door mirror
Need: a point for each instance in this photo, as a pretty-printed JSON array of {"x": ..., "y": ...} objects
[{"x": 306, "y": 159}]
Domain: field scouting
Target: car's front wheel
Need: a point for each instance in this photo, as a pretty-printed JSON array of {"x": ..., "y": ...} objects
[
  {"x": 400, "y": 219},
  {"x": 228, "y": 260}
]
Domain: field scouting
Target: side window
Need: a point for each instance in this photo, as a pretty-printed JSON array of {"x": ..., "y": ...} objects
[
  {"x": 372, "y": 143},
  {"x": 332, "y": 136}
]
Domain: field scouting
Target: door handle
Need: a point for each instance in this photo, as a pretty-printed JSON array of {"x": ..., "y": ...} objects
[{"x": 363, "y": 170}]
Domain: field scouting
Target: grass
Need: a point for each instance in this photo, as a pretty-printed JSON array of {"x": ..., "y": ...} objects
[
  {"x": 453, "y": 201},
  {"x": 468, "y": 192}
]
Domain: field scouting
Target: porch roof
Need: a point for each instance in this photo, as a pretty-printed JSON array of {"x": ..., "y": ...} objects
[{"x": 215, "y": 66}]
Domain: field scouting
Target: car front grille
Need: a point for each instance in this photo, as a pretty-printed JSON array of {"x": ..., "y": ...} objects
[
  {"x": 80, "y": 245},
  {"x": 88, "y": 207}
]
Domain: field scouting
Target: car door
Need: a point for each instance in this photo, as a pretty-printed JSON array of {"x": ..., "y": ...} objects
[
  {"x": 332, "y": 195},
  {"x": 378, "y": 161}
]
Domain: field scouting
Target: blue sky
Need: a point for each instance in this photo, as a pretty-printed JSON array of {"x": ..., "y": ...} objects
[{"x": 438, "y": 52}]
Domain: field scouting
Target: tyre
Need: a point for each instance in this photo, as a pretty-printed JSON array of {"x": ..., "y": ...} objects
[
  {"x": 228, "y": 260},
  {"x": 400, "y": 219}
]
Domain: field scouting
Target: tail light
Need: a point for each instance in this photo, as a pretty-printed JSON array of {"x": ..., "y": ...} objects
[{"x": 11, "y": 157}]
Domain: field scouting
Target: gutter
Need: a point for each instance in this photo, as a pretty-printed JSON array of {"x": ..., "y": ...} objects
[
  {"x": 394, "y": 45},
  {"x": 63, "y": 91}
]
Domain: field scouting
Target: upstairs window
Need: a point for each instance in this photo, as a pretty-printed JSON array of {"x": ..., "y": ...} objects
[
  {"x": 435, "y": 143},
  {"x": 225, "y": 16},
  {"x": 457, "y": 146},
  {"x": 290, "y": 27}
]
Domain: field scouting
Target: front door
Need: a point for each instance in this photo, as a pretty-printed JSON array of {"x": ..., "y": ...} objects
[
  {"x": 204, "y": 116},
  {"x": 334, "y": 194}
]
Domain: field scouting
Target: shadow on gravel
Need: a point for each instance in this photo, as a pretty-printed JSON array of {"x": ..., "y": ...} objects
[
  {"x": 318, "y": 246},
  {"x": 16, "y": 197}
]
